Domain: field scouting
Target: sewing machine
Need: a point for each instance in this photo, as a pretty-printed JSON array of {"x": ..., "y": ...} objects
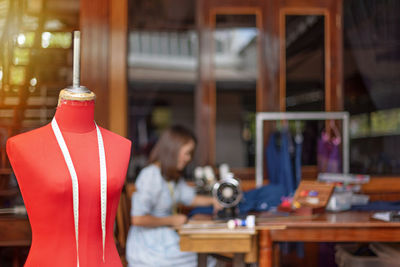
[{"x": 228, "y": 193}]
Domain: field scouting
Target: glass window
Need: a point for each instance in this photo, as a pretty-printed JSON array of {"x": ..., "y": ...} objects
[
  {"x": 35, "y": 60},
  {"x": 162, "y": 64},
  {"x": 305, "y": 77},
  {"x": 236, "y": 72},
  {"x": 371, "y": 31},
  {"x": 305, "y": 62}
]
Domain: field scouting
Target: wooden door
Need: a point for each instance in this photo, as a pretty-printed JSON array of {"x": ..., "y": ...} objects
[
  {"x": 207, "y": 15},
  {"x": 331, "y": 13},
  {"x": 271, "y": 83}
]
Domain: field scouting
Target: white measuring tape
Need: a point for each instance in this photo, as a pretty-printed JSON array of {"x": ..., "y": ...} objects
[{"x": 75, "y": 187}]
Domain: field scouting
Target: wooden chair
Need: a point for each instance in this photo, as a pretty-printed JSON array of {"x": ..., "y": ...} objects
[{"x": 123, "y": 219}]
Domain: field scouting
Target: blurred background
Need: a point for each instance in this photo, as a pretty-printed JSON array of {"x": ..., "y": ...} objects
[{"x": 210, "y": 66}]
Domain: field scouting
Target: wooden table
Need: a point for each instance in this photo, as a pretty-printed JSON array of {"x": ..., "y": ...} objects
[
  {"x": 330, "y": 227},
  {"x": 241, "y": 242}
]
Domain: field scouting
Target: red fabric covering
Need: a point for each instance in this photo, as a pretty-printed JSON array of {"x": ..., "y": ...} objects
[{"x": 46, "y": 188}]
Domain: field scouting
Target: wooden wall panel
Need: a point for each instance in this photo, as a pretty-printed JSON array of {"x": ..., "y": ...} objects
[
  {"x": 103, "y": 24},
  {"x": 270, "y": 54},
  {"x": 118, "y": 66},
  {"x": 336, "y": 102},
  {"x": 94, "y": 25},
  {"x": 205, "y": 97}
]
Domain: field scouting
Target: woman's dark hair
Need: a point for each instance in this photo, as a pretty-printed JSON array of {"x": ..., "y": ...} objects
[{"x": 167, "y": 149}]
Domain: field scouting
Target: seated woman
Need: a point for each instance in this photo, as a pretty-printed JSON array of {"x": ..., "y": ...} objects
[{"x": 152, "y": 240}]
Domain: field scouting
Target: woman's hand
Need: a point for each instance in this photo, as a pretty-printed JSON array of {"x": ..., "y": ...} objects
[
  {"x": 216, "y": 206},
  {"x": 207, "y": 201},
  {"x": 178, "y": 220}
]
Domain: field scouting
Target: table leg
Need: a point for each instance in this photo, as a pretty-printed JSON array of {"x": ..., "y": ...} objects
[
  {"x": 15, "y": 258},
  {"x": 238, "y": 260},
  {"x": 202, "y": 259},
  {"x": 276, "y": 254},
  {"x": 265, "y": 249}
]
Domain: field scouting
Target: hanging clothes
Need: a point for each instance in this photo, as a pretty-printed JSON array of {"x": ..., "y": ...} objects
[
  {"x": 284, "y": 168},
  {"x": 279, "y": 164},
  {"x": 298, "y": 140},
  {"x": 329, "y": 158},
  {"x": 309, "y": 146}
]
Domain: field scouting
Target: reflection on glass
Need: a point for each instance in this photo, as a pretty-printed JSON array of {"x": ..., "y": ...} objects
[
  {"x": 372, "y": 83},
  {"x": 385, "y": 122},
  {"x": 56, "y": 39},
  {"x": 162, "y": 67},
  {"x": 17, "y": 75},
  {"x": 236, "y": 70},
  {"x": 304, "y": 74},
  {"x": 30, "y": 76},
  {"x": 25, "y": 39},
  {"x": 305, "y": 68},
  {"x": 21, "y": 56},
  {"x": 359, "y": 126}
]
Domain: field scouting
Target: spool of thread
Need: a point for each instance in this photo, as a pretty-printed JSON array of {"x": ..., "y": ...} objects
[
  {"x": 223, "y": 171},
  {"x": 250, "y": 222},
  {"x": 209, "y": 174},
  {"x": 198, "y": 173}
]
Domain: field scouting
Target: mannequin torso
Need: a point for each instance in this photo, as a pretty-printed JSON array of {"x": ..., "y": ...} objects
[{"x": 46, "y": 187}]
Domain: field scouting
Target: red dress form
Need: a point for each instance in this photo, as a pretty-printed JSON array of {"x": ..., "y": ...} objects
[{"x": 46, "y": 188}]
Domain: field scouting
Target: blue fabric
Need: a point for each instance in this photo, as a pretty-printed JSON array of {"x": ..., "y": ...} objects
[
  {"x": 279, "y": 164},
  {"x": 281, "y": 171},
  {"x": 272, "y": 155},
  {"x": 201, "y": 210},
  {"x": 297, "y": 162},
  {"x": 297, "y": 174},
  {"x": 260, "y": 199}
]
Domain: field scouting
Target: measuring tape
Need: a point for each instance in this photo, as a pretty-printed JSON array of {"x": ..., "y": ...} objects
[{"x": 75, "y": 186}]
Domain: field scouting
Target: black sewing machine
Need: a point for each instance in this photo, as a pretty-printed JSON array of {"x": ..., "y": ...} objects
[{"x": 228, "y": 193}]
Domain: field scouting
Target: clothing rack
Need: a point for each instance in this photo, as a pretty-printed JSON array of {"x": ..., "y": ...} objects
[{"x": 274, "y": 116}]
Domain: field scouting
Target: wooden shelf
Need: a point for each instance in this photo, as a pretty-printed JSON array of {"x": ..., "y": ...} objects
[
  {"x": 5, "y": 171},
  {"x": 9, "y": 192}
]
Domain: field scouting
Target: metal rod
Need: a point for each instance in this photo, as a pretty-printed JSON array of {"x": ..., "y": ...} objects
[
  {"x": 272, "y": 116},
  {"x": 76, "y": 60},
  {"x": 346, "y": 143}
]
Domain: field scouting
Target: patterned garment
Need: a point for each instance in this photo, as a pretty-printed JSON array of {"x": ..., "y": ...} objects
[{"x": 329, "y": 158}]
